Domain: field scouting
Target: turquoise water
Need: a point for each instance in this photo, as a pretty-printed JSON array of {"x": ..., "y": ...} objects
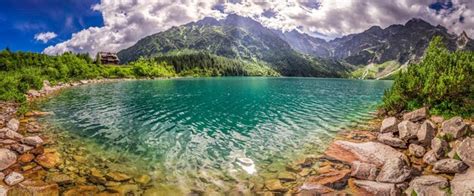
[{"x": 195, "y": 127}]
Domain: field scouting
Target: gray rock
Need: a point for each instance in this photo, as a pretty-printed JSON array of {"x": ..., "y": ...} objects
[
  {"x": 7, "y": 158},
  {"x": 426, "y": 133},
  {"x": 439, "y": 147},
  {"x": 33, "y": 141},
  {"x": 13, "y": 178},
  {"x": 428, "y": 185},
  {"x": 376, "y": 188},
  {"x": 437, "y": 119},
  {"x": 389, "y": 125},
  {"x": 13, "y": 124},
  {"x": 463, "y": 183},
  {"x": 416, "y": 115},
  {"x": 465, "y": 151},
  {"x": 21, "y": 148},
  {"x": 407, "y": 130},
  {"x": 416, "y": 150},
  {"x": 454, "y": 127},
  {"x": 9, "y": 134},
  {"x": 363, "y": 171},
  {"x": 430, "y": 157},
  {"x": 449, "y": 166},
  {"x": 394, "y": 171},
  {"x": 391, "y": 140}
]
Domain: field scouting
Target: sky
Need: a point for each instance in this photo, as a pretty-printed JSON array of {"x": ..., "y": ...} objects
[{"x": 89, "y": 26}]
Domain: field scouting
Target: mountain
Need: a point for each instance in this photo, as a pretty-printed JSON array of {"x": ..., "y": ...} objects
[{"x": 238, "y": 38}]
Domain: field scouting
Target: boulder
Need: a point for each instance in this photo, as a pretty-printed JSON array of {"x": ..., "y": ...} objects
[
  {"x": 426, "y": 133},
  {"x": 449, "y": 166},
  {"x": 368, "y": 152},
  {"x": 428, "y": 185},
  {"x": 21, "y": 148},
  {"x": 416, "y": 115},
  {"x": 439, "y": 147},
  {"x": 9, "y": 134},
  {"x": 416, "y": 150},
  {"x": 363, "y": 171},
  {"x": 334, "y": 179},
  {"x": 391, "y": 140},
  {"x": 275, "y": 185},
  {"x": 7, "y": 158},
  {"x": 13, "y": 124},
  {"x": 465, "y": 151},
  {"x": 430, "y": 157},
  {"x": 394, "y": 171},
  {"x": 32, "y": 141},
  {"x": 407, "y": 130},
  {"x": 454, "y": 127},
  {"x": 463, "y": 183},
  {"x": 13, "y": 178},
  {"x": 365, "y": 187},
  {"x": 389, "y": 125},
  {"x": 437, "y": 119},
  {"x": 35, "y": 188}
]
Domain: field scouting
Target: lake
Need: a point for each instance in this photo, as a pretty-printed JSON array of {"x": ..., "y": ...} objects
[{"x": 201, "y": 132}]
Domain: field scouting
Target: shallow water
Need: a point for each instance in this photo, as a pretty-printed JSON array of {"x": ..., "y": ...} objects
[{"x": 193, "y": 132}]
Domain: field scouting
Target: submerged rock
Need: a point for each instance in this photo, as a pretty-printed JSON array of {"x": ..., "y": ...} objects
[
  {"x": 143, "y": 179},
  {"x": 416, "y": 115},
  {"x": 449, "y": 166},
  {"x": 286, "y": 176},
  {"x": 365, "y": 187},
  {"x": 35, "y": 188},
  {"x": 389, "y": 125},
  {"x": 391, "y": 140},
  {"x": 333, "y": 179},
  {"x": 463, "y": 183},
  {"x": 363, "y": 171},
  {"x": 465, "y": 151},
  {"x": 454, "y": 127},
  {"x": 275, "y": 185},
  {"x": 369, "y": 152},
  {"x": 7, "y": 158},
  {"x": 428, "y": 185},
  {"x": 394, "y": 171},
  {"x": 82, "y": 190},
  {"x": 117, "y": 176},
  {"x": 125, "y": 189},
  {"x": 49, "y": 159}
]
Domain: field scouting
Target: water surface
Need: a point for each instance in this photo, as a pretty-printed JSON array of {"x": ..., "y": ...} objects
[{"x": 193, "y": 131}]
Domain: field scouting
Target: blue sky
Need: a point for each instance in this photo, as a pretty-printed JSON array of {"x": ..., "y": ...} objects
[
  {"x": 22, "y": 19},
  {"x": 89, "y": 26}
]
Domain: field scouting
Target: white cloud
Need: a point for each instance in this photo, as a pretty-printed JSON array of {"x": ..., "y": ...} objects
[
  {"x": 127, "y": 21},
  {"x": 45, "y": 37}
]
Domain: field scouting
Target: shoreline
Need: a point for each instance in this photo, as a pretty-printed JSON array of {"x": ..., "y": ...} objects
[{"x": 320, "y": 174}]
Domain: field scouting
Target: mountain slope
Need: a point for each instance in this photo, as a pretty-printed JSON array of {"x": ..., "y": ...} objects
[{"x": 235, "y": 37}]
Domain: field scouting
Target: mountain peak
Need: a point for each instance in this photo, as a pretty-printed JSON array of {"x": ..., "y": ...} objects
[{"x": 417, "y": 22}]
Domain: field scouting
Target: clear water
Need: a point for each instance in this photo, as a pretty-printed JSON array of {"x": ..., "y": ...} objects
[{"x": 193, "y": 130}]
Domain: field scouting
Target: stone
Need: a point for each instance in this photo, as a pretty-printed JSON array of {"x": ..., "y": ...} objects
[
  {"x": 389, "y": 125},
  {"x": 275, "y": 185},
  {"x": 325, "y": 169},
  {"x": 82, "y": 190},
  {"x": 26, "y": 158},
  {"x": 7, "y": 158},
  {"x": 407, "y": 130},
  {"x": 368, "y": 152},
  {"x": 314, "y": 189},
  {"x": 335, "y": 179},
  {"x": 4, "y": 190},
  {"x": 449, "y": 166},
  {"x": 394, "y": 171},
  {"x": 21, "y": 148},
  {"x": 363, "y": 171},
  {"x": 286, "y": 176},
  {"x": 439, "y": 147},
  {"x": 13, "y": 124},
  {"x": 117, "y": 176},
  {"x": 430, "y": 157},
  {"x": 13, "y": 178},
  {"x": 463, "y": 183},
  {"x": 416, "y": 115},
  {"x": 391, "y": 140},
  {"x": 143, "y": 179},
  {"x": 428, "y": 185},
  {"x": 96, "y": 176},
  {"x": 465, "y": 151},
  {"x": 49, "y": 160},
  {"x": 365, "y": 187},
  {"x": 416, "y": 150},
  {"x": 35, "y": 188},
  {"x": 426, "y": 133},
  {"x": 437, "y": 119},
  {"x": 454, "y": 127},
  {"x": 9, "y": 134},
  {"x": 61, "y": 179},
  {"x": 32, "y": 141}
]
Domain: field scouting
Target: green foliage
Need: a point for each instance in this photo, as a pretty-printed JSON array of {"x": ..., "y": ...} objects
[{"x": 443, "y": 80}]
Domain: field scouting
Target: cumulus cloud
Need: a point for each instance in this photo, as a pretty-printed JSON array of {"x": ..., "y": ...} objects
[
  {"x": 45, "y": 37},
  {"x": 127, "y": 21}
]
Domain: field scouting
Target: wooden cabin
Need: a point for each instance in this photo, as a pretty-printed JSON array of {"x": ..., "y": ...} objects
[{"x": 108, "y": 58}]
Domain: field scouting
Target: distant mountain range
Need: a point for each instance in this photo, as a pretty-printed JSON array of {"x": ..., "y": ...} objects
[{"x": 298, "y": 54}]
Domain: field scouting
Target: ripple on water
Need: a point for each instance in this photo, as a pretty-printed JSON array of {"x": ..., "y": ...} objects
[{"x": 212, "y": 127}]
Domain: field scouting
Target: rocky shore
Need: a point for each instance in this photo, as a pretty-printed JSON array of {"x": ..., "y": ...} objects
[{"x": 415, "y": 154}]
